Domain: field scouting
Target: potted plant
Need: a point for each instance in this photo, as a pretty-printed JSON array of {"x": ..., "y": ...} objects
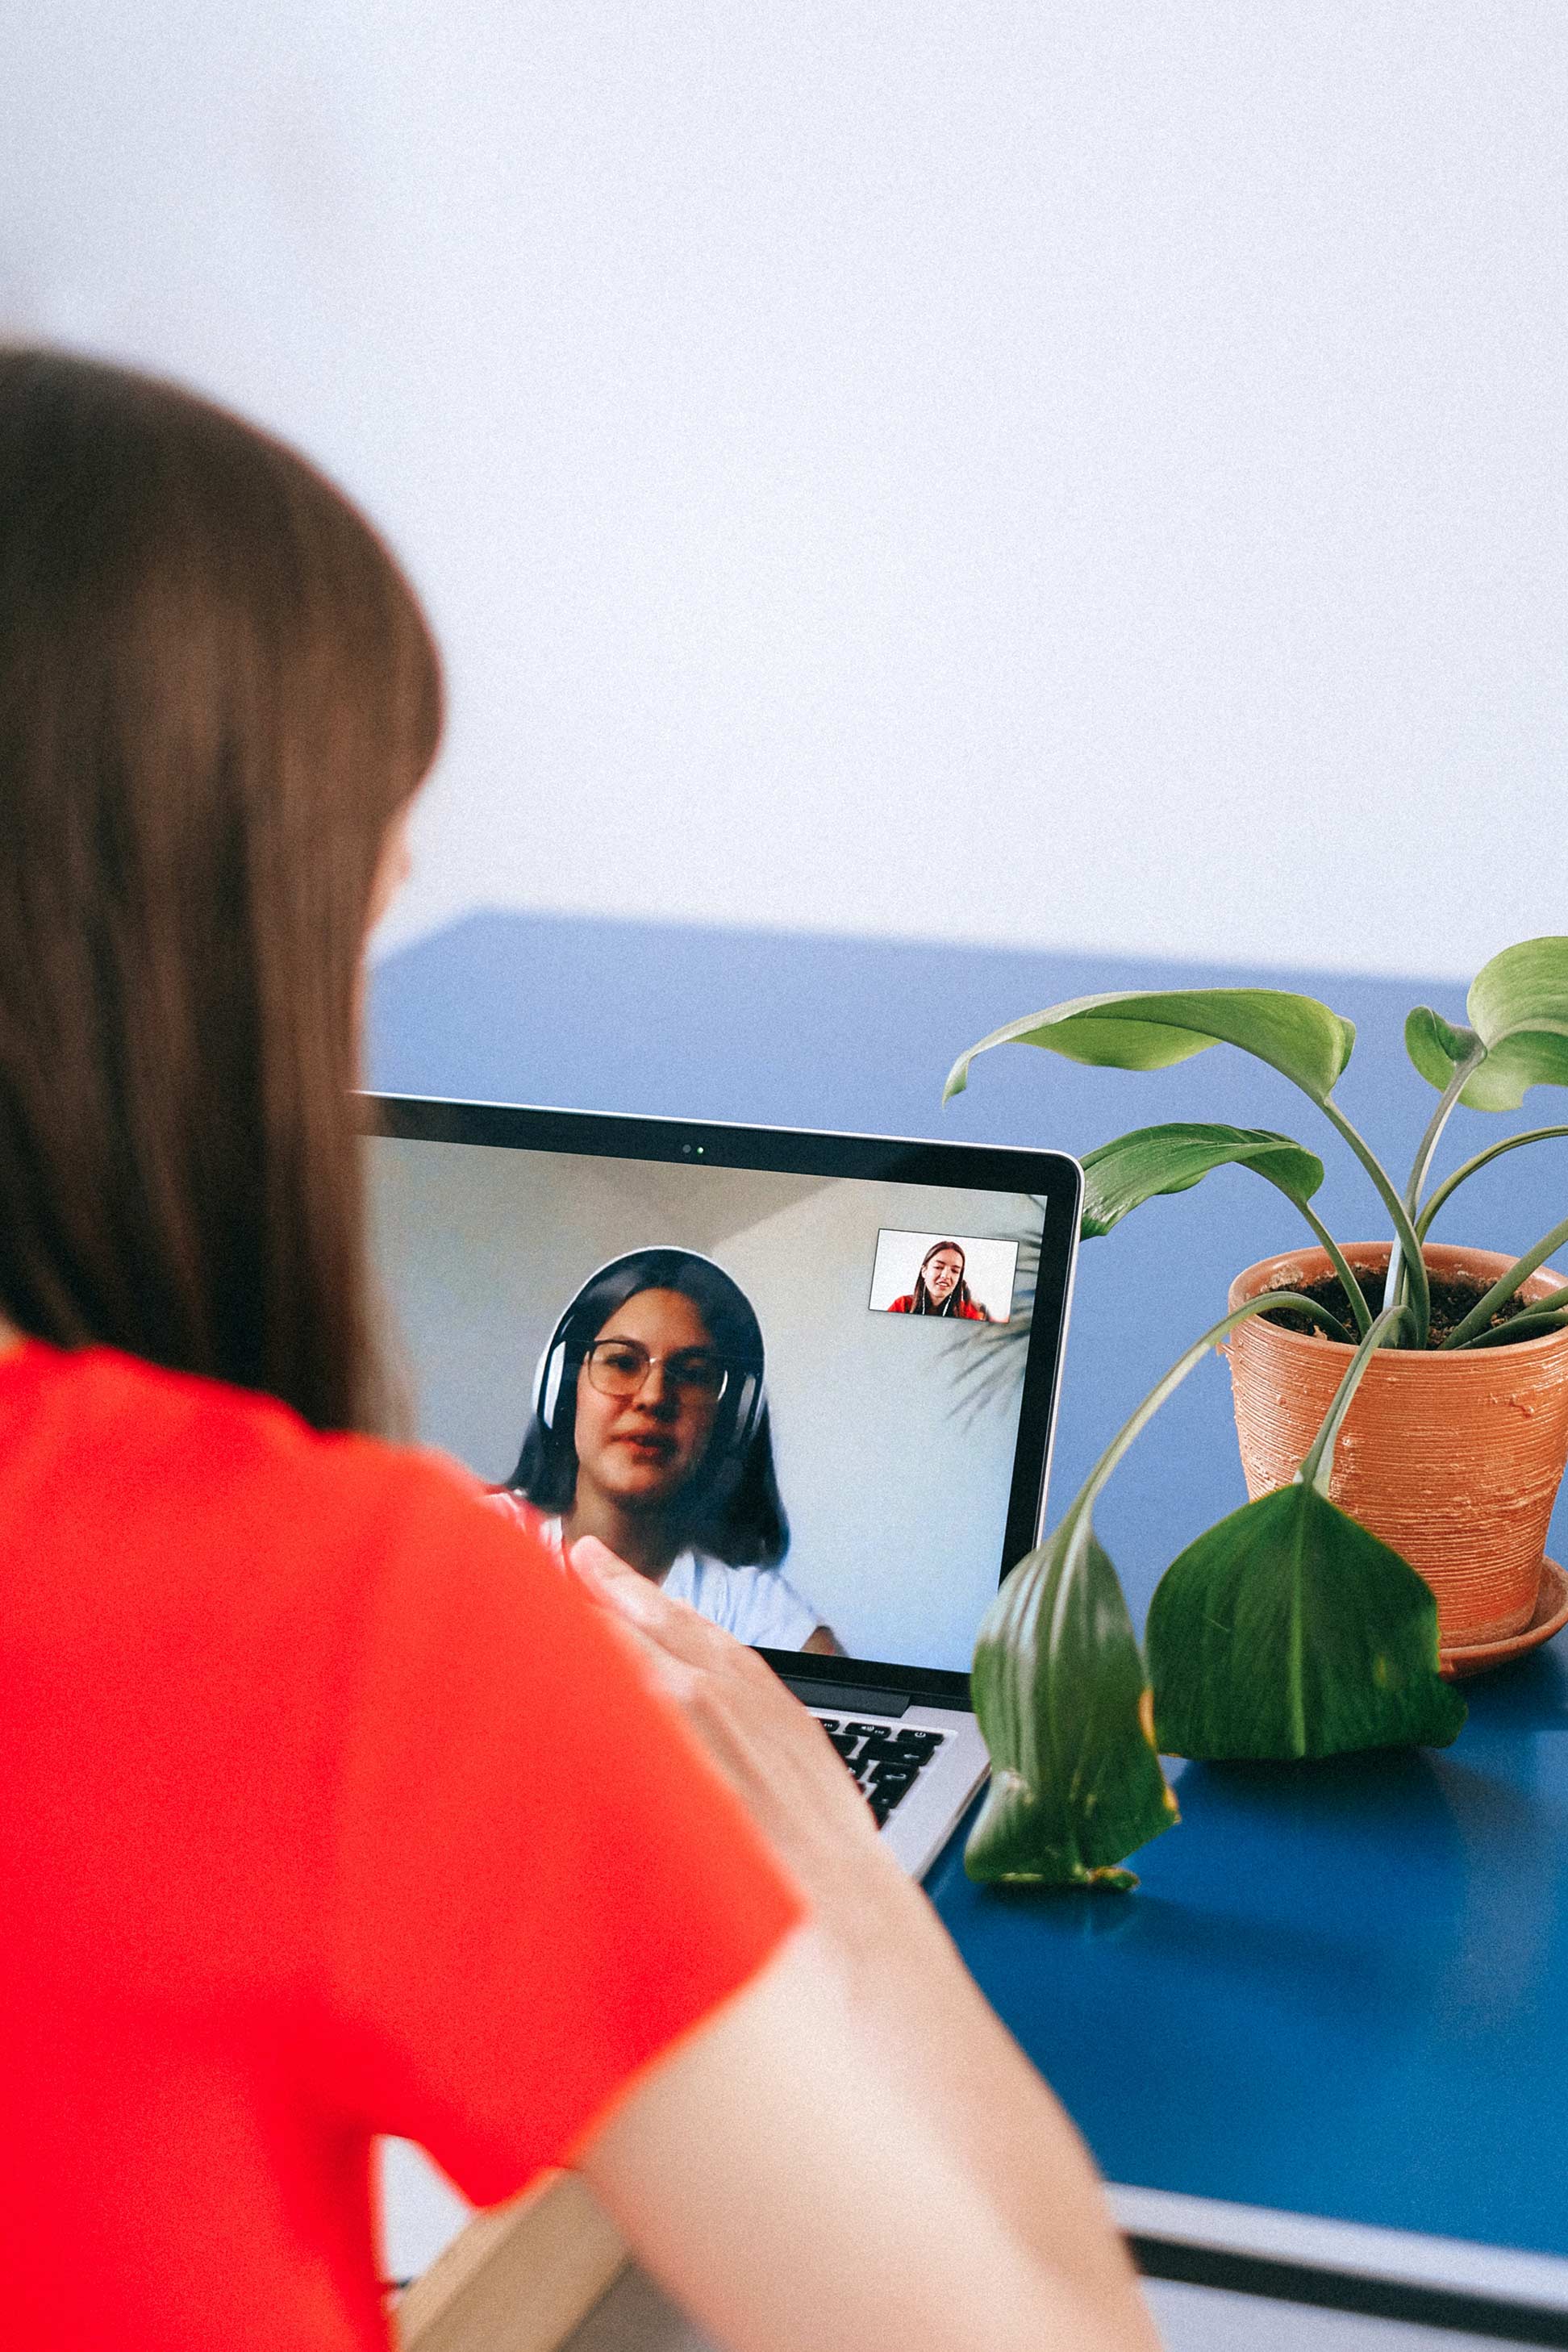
[{"x": 1402, "y": 1413}]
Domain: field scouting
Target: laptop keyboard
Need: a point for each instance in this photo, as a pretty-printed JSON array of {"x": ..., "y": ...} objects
[{"x": 885, "y": 1762}]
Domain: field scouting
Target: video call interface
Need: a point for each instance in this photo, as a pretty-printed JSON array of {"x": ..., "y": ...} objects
[{"x": 797, "y": 1396}]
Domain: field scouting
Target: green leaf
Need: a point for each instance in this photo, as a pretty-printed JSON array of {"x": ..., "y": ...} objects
[
  {"x": 1059, "y": 1690},
  {"x": 1153, "y": 1160},
  {"x": 1518, "y": 1006},
  {"x": 1434, "y": 1045},
  {"x": 1290, "y": 1631},
  {"x": 1129, "y": 1031}
]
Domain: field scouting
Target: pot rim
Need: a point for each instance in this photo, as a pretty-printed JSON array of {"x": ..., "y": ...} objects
[{"x": 1369, "y": 1257}]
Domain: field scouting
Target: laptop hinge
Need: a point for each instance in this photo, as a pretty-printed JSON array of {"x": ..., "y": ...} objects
[{"x": 847, "y": 1701}]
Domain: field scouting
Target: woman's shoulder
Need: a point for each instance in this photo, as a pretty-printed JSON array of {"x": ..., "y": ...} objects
[
  {"x": 138, "y": 1426},
  {"x": 904, "y": 1305},
  {"x": 203, "y": 1459},
  {"x": 180, "y": 1519}
]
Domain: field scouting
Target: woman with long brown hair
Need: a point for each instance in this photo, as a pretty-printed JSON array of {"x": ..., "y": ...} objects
[
  {"x": 941, "y": 1288},
  {"x": 308, "y": 1833}
]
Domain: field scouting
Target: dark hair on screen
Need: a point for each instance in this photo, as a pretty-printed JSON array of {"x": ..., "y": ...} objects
[
  {"x": 957, "y": 1297},
  {"x": 734, "y": 1512},
  {"x": 216, "y": 690}
]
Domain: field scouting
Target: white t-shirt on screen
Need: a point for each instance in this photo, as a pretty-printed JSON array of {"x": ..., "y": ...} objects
[{"x": 755, "y": 1604}]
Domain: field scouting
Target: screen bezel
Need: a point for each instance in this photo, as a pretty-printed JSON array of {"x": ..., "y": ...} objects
[{"x": 800, "y": 1151}]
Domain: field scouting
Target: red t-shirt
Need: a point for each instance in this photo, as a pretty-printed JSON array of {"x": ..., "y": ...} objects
[
  {"x": 328, "y": 1808},
  {"x": 969, "y": 1313}
]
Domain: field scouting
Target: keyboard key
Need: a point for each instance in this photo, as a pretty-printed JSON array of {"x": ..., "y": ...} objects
[
  {"x": 882, "y": 1800},
  {"x": 883, "y": 1761}
]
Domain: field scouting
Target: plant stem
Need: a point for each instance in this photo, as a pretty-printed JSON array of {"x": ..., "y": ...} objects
[
  {"x": 1404, "y": 1231},
  {"x": 1323, "y": 1317},
  {"x": 1519, "y": 1327},
  {"x": 1317, "y": 1461},
  {"x": 1167, "y": 1387},
  {"x": 1336, "y": 1255},
  {"x": 1494, "y": 1152},
  {"x": 1463, "y": 1071},
  {"x": 1502, "y": 1290},
  {"x": 1393, "y": 1286}
]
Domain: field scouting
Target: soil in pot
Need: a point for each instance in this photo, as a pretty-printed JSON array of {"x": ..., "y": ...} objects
[
  {"x": 1451, "y": 1302},
  {"x": 1454, "y": 1458}
]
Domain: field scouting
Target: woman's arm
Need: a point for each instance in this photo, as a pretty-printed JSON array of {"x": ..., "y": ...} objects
[
  {"x": 952, "y": 2060},
  {"x": 778, "y": 2176}
]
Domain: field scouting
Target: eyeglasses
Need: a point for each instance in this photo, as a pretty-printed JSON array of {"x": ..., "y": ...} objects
[{"x": 618, "y": 1368}]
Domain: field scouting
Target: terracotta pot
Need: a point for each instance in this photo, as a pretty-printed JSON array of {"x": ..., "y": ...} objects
[{"x": 1453, "y": 1459}]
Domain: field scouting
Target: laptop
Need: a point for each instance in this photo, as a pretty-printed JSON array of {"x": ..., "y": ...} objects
[{"x": 812, "y": 1379}]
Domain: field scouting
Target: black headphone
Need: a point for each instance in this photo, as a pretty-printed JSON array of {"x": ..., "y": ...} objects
[{"x": 550, "y": 1371}]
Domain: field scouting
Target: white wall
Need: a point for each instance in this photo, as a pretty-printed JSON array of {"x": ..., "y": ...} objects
[{"x": 1077, "y": 472}]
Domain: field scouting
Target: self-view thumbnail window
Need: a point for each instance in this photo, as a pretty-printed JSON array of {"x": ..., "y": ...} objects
[{"x": 965, "y": 1279}]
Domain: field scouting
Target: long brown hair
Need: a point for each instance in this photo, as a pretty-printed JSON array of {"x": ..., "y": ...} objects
[
  {"x": 957, "y": 1298},
  {"x": 216, "y": 690},
  {"x": 730, "y": 1507}
]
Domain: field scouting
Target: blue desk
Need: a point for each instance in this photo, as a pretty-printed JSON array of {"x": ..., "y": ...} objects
[{"x": 1339, "y": 1993}]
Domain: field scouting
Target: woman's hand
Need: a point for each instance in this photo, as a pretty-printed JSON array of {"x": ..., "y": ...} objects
[
  {"x": 909, "y": 1992},
  {"x": 773, "y": 1752}
]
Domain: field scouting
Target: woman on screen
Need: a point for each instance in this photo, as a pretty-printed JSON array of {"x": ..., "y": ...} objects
[
  {"x": 650, "y": 1431},
  {"x": 940, "y": 1289}
]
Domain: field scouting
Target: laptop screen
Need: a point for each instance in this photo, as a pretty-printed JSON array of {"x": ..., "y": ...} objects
[{"x": 797, "y": 1395}]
